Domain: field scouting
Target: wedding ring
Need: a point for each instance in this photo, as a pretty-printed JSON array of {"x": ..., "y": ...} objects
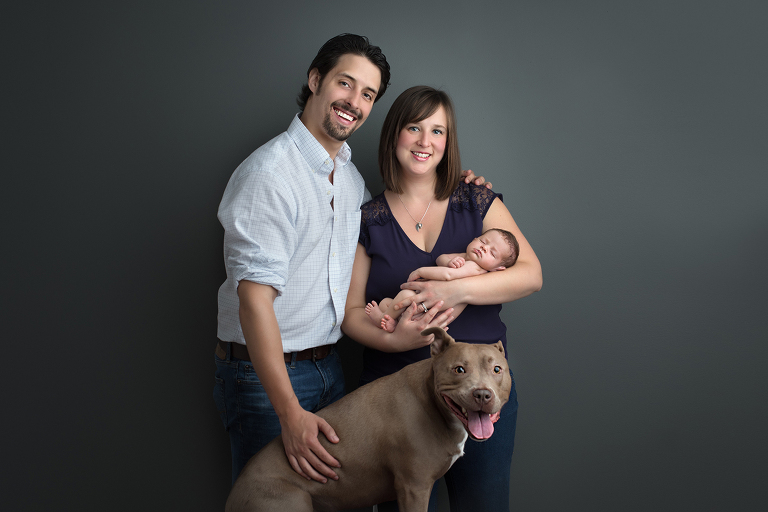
[{"x": 423, "y": 307}]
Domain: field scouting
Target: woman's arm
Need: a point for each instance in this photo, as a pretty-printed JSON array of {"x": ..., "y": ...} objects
[
  {"x": 407, "y": 334},
  {"x": 516, "y": 282}
]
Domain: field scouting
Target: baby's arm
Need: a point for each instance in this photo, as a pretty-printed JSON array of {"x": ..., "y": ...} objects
[
  {"x": 454, "y": 260},
  {"x": 470, "y": 268}
]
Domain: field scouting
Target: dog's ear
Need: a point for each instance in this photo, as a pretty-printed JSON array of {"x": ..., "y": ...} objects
[
  {"x": 499, "y": 345},
  {"x": 441, "y": 342}
]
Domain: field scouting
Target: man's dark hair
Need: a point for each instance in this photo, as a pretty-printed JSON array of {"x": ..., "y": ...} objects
[{"x": 333, "y": 50}]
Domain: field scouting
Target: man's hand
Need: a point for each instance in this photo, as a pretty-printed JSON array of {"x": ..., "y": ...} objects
[
  {"x": 468, "y": 176},
  {"x": 307, "y": 457}
]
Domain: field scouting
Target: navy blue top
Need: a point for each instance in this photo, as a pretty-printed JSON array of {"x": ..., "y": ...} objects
[{"x": 394, "y": 256}]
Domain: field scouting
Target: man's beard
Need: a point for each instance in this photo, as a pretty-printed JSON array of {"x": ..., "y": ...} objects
[{"x": 337, "y": 132}]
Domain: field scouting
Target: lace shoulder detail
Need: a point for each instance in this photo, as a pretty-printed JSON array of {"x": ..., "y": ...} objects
[
  {"x": 473, "y": 198},
  {"x": 374, "y": 212}
]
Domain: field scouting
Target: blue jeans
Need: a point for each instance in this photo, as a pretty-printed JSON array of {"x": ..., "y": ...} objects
[
  {"x": 479, "y": 480},
  {"x": 246, "y": 411}
]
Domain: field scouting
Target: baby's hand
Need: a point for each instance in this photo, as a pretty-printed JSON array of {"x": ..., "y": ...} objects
[
  {"x": 414, "y": 275},
  {"x": 456, "y": 262}
]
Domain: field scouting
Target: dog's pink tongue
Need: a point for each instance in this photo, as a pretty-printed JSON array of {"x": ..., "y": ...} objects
[{"x": 480, "y": 424}]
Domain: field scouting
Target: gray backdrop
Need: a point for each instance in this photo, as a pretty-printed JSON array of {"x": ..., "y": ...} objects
[{"x": 628, "y": 138}]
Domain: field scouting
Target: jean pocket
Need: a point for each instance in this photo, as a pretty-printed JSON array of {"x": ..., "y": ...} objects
[{"x": 220, "y": 401}]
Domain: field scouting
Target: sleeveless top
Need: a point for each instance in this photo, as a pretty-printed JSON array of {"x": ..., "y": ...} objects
[{"x": 394, "y": 256}]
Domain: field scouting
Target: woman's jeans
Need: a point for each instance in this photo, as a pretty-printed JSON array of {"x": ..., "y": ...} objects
[{"x": 246, "y": 411}]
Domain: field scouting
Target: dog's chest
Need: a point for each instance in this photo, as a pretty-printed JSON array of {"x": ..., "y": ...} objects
[{"x": 460, "y": 448}]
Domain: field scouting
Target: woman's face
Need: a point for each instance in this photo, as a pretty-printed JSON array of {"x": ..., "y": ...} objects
[{"x": 421, "y": 145}]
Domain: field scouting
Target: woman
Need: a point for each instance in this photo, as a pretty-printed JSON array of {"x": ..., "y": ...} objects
[{"x": 424, "y": 212}]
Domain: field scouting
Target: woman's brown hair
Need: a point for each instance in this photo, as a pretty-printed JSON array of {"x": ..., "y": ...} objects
[{"x": 414, "y": 105}]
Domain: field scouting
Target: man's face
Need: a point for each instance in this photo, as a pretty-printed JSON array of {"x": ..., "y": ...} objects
[{"x": 342, "y": 101}]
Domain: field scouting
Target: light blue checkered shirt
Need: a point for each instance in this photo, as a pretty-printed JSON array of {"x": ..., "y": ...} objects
[{"x": 280, "y": 230}]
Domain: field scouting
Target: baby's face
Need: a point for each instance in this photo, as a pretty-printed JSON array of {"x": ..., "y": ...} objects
[{"x": 488, "y": 250}]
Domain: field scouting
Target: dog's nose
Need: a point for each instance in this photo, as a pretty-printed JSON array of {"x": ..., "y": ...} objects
[{"x": 483, "y": 396}]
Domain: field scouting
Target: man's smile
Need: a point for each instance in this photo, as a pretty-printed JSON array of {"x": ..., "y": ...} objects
[{"x": 345, "y": 115}]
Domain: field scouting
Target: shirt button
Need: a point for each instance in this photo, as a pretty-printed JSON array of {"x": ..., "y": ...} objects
[{"x": 334, "y": 255}]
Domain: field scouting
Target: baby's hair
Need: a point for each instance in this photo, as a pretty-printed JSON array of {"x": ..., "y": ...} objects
[{"x": 513, "y": 246}]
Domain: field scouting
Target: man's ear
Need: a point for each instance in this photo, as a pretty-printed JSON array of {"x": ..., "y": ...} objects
[{"x": 313, "y": 81}]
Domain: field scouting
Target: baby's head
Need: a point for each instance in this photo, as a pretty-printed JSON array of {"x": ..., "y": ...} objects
[{"x": 496, "y": 249}]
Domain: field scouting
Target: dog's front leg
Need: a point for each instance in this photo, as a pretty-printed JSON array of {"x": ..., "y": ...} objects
[{"x": 413, "y": 499}]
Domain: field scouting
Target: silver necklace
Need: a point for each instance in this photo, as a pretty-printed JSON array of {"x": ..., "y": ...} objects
[{"x": 418, "y": 222}]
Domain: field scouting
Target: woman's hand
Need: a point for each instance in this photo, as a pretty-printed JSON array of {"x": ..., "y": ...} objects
[
  {"x": 407, "y": 335},
  {"x": 431, "y": 292}
]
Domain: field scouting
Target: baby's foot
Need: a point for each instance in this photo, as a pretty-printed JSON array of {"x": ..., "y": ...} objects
[
  {"x": 388, "y": 323},
  {"x": 374, "y": 313}
]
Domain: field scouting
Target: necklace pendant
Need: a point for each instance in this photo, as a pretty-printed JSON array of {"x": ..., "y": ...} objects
[{"x": 418, "y": 226}]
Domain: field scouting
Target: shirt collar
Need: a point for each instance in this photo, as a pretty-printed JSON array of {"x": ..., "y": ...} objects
[{"x": 312, "y": 151}]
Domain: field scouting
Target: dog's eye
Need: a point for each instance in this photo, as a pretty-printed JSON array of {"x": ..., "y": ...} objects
[
  {"x": 459, "y": 369},
  {"x": 497, "y": 369}
]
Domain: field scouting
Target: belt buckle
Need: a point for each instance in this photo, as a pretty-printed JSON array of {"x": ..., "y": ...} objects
[{"x": 314, "y": 354}]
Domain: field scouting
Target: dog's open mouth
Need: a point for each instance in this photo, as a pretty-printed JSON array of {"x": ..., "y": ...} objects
[{"x": 479, "y": 424}]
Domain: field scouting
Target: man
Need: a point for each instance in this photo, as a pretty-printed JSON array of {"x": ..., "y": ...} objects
[{"x": 291, "y": 215}]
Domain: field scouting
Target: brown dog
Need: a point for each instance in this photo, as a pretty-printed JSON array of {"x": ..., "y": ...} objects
[{"x": 397, "y": 435}]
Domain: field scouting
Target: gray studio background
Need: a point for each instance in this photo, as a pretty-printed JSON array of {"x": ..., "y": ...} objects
[{"x": 628, "y": 139}]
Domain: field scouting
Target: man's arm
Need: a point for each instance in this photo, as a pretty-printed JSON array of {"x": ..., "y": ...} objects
[{"x": 300, "y": 428}]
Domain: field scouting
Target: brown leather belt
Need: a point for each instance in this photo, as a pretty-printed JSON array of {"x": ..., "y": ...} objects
[{"x": 241, "y": 352}]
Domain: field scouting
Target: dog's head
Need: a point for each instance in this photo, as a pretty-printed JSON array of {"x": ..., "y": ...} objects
[{"x": 472, "y": 379}]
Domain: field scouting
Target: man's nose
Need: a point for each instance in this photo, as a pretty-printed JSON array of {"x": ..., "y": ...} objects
[{"x": 352, "y": 99}]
